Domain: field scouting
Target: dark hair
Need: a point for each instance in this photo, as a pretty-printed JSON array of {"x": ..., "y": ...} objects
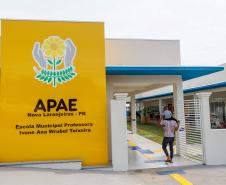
[{"x": 172, "y": 118}]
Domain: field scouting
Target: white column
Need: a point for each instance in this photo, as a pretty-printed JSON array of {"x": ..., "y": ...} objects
[
  {"x": 160, "y": 108},
  {"x": 205, "y": 122},
  {"x": 119, "y": 133},
  {"x": 133, "y": 114},
  {"x": 178, "y": 97}
]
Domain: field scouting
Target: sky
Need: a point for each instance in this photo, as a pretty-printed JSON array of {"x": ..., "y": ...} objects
[{"x": 200, "y": 25}]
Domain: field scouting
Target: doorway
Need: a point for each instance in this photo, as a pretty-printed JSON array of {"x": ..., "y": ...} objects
[{"x": 145, "y": 150}]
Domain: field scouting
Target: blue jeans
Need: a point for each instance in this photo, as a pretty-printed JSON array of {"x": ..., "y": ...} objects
[{"x": 165, "y": 142}]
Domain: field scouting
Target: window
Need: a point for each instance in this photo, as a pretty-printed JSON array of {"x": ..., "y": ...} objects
[{"x": 218, "y": 113}]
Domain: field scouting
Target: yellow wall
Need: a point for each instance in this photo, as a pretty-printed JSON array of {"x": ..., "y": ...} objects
[{"x": 20, "y": 92}]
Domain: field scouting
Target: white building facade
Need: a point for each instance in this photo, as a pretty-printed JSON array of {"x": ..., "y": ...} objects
[
  {"x": 213, "y": 88},
  {"x": 138, "y": 66}
]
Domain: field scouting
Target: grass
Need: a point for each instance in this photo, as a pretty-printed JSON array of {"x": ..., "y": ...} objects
[{"x": 149, "y": 131}]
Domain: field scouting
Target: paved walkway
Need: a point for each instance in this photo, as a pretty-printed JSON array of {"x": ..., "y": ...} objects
[
  {"x": 12, "y": 176},
  {"x": 193, "y": 176},
  {"x": 145, "y": 154},
  {"x": 142, "y": 153}
]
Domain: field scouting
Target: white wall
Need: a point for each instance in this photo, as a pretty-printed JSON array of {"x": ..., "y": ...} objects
[
  {"x": 109, "y": 92},
  {"x": 119, "y": 134},
  {"x": 137, "y": 52},
  {"x": 215, "y": 149},
  {"x": 213, "y": 139}
]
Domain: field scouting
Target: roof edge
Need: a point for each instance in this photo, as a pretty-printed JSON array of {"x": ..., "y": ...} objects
[{"x": 189, "y": 90}]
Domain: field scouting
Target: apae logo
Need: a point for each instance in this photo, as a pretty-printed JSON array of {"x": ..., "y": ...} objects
[{"x": 55, "y": 58}]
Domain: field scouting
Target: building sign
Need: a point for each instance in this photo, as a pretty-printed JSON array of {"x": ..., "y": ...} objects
[
  {"x": 53, "y": 92},
  {"x": 53, "y": 53}
]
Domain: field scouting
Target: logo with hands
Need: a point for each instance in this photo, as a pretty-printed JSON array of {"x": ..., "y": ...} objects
[{"x": 55, "y": 59}]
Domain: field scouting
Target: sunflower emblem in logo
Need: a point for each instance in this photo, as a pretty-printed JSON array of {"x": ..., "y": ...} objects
[{"x": 55, "y": 58}]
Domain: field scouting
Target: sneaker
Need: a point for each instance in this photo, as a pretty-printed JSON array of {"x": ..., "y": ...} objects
[{"x": 167, "y": 161}]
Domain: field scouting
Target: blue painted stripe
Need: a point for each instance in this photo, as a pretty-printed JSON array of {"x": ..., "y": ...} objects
[
  {"x": 195, "y": 89},
  {"x": 186, "y": 73},
  {"x": 171, "y": 172},
  {"x": 145, "y": 151},
  {"x": 134, "y": 147}
]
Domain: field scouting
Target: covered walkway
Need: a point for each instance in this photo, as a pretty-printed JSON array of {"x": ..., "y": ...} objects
[{"x": 136, "y": 67}]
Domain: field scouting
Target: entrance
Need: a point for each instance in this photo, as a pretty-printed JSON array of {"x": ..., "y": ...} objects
[
  {"x": 120, "y": 85},
  {"x": 146, "y": 152}
]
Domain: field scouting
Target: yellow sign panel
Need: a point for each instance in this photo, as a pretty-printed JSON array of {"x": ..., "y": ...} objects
[{"x": 53, "y": 92}]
